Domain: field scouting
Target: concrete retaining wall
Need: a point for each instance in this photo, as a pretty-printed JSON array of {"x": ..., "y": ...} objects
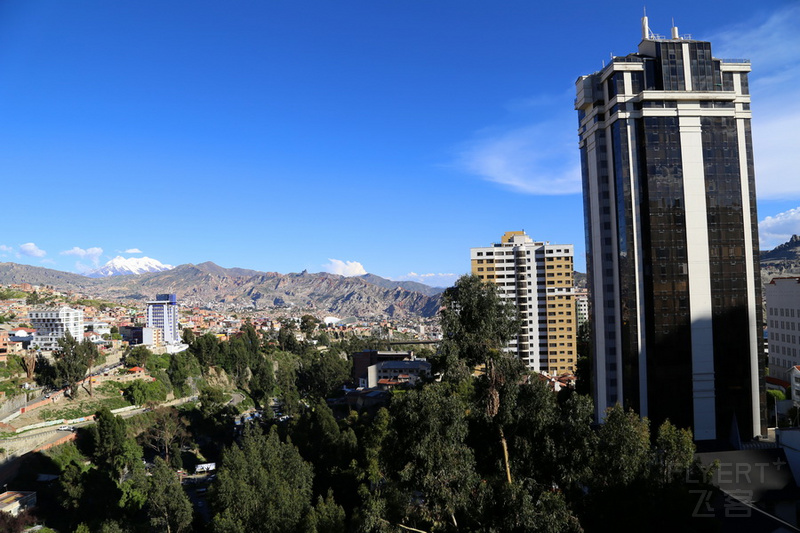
[
  {"x": 66, "y": 438},
  {"x": 12, "y": 405}
]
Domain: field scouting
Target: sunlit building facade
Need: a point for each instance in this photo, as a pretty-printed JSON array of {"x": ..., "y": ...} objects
[
  {"x": 162, "y": 314},
  {"x": 53, "y": 323},
  {"x": 537, "y": 278},
  {"x": 672, "y": 240}
]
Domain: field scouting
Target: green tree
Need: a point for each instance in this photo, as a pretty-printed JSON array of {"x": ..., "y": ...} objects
[
  {"x": 623, "y": 450},
  {"x": 774, "y": 396},
  {"x": 111, "y": 526},
  {"x": 575, "y": 442},
  {"x": 182, "y": 366},
  {"x": 323, "y": 373},
  {"x": 287, "y": 341},
  {"x": 434, "y": 468},
  {"x": 326, "y": 516},
  {"x": 262, "y": 485},
  {"x": 91, "y": 356},
  {"x": 71, "y": 489},
  {"x": 138, "y": 356},
  {"x": 476, "y": 324},
  {"x": 331, "y": 449},
  {"x": 168, "y": 506},
  {"x": 206, "y": 349},
  {"x": 45, "y": 373},
  {"x": 649, "y": 479},
  {"x": 167, "y": 432},
  {"x": 35, "y": 299},
  {"x": 262, "y": 380},
  {"x": 674, "y": 450},
  {"x": 251, "y": 338},
  {"x": 237, "y": 358},
  {"x": 308, "y": 324},
  {"x": 212, "y": 400},
  {"x": 286, "y": 382},
  {"x": 187, "y": 336},
  {"x": 114, "y": 451},
  {"x": 141, "y": 392},
  {"x": 70, "y": 362},
  {"x": 374, "y": 438},
  {"x": 323, "y": 339}
]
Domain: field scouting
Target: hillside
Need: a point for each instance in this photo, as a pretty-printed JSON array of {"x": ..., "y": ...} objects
[
  {"x": 413, "y": 286},
  {"x": 783, "y": 260},
  {"x": 212, "y": 286}
]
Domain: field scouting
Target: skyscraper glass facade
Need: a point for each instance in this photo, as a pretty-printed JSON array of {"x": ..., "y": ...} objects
[{"x": 671, "y": 228}]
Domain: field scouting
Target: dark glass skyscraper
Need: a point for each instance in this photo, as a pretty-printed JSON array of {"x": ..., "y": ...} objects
[{"x": 672, "y": 237}]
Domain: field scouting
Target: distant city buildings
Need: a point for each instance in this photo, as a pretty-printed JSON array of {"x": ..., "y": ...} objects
[
  {"x": 52, "y": 324},
  {"x": 782, "y": 297},
  {"x": 162, "y": 314},
  {"x": 672, "y": 237},
  {"x": 537, "y": 278}
]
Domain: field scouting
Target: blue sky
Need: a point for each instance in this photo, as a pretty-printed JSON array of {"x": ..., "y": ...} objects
[{"x": 350, "y": 136}]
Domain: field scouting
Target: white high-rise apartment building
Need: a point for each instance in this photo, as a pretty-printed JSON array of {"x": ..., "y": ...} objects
[
  {"x": 162, "y": 314},
  {"x": 582, "y": 305},
  {"x": 783, "y": 325},
  {"x": 537, "y": 277},
  {"x": 52, "y": 324}
]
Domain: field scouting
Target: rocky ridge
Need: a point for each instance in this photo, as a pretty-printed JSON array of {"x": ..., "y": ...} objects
[
  {"x": 781, "y": 261},
  {"x": 210, "y": 286}
]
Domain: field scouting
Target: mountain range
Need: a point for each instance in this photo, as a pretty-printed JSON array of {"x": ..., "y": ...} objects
[
  {"x": 236, "y": 289},
  {"x": 211, "y": 286},
  {"x": 121, "y": 266}
]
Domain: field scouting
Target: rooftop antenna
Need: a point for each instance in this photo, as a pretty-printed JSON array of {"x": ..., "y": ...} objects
[
  {"x": 646, "y": 33},
  {"x": 674, "y": 30}
]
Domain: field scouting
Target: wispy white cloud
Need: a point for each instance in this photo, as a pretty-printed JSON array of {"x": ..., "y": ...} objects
[
  {"x": 31, "y": 250},
  {"x": 773, "y": 46},
  {"x": 5, "y": 250},
  {"x": 344, "y": 268},
  {"x": 778, "y": 229},
  {"x": 93, "y": 254},
  {"x": 542, "y": 158},
  {"x": 132, "y": 251},
  {"x": 537, "y": 159}
]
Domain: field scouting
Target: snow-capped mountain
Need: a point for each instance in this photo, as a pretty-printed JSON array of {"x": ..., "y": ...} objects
[{"x": 120, "y": 266}]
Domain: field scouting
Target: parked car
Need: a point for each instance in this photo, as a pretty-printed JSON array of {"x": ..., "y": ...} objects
[{"x": 66, "y": 428}]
